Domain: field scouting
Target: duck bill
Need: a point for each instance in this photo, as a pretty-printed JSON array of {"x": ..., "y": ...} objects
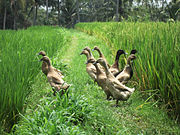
[{"x": 92, "y": 49}]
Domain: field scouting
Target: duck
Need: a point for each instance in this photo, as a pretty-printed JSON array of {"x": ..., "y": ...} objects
[
  {"x": 101, "y": 78},
  {"x": 114, "y": 69},
  {"x": 54, "y": 79},
  {"x": 117, "y": 89},
  {"x": 90, "y": 69},
  {"x": 127, "y": 72},
  {"x": 45, "y": 66},
  {"x": 101, "y": 55}
]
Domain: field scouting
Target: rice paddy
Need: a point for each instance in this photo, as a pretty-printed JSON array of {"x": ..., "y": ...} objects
[
  {"x": 19, "y": 65},
  {"x": 25, "y": 91},
  {"x": 158, "y": 62}
]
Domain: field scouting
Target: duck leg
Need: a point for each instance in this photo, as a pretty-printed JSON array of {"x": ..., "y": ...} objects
[
  {"x": 54, "y": 91},
  {"x": 108, "y": 97},
  {"x": 117, "y": 103}
]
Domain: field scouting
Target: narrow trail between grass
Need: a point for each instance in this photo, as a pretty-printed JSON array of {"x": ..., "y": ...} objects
[{"x": 71, "y": 50}]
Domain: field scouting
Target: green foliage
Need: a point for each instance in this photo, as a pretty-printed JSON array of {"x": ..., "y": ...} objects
[
  {"x": 57, "y": 115},
  {"x": 19, "y": 66},
  {"x": 157, "y": 66},
  {"x": 85, "y": 110}
]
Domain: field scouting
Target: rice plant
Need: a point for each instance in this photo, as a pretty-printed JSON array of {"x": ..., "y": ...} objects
[
  {"x": 85, "y": 110},
  {"x": 19, "y": 66},
  {"x": 158, "y": 64}
]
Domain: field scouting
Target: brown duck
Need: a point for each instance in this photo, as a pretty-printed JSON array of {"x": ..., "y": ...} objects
[
  {"x": 45, "y": 66},
  {"x": 114, "y": 69},
  {"x": 101, "y": 78},
  {"x": 117, "y": 89},
  {"x": 90, "y": 69},
  {"x": 54, "y": 79},
  {"x": 127, "y": 72}
]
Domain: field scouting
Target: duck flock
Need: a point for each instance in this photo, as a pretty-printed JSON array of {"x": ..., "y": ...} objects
[{"x": 109, "y": 77}]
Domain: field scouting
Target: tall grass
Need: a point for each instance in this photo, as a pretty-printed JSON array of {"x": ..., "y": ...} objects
[
  {"x": 158, "y": 60},
  {"x": 19, "y": 66},
  {"x": 85, "y": 110}
]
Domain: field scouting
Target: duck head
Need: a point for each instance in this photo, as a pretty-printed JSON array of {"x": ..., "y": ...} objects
[
  {"x": 121, "y": 52},
  {"x": 84, "y": 52},
  {"x": 95, "y": 48},
  {"x": 87, "y": 48},
  {"x": 131, "y": 58},
  {"x": 46, "y": 59},
  {"x": 101, "y": 61},
  {"x": 134, "y": 51},
  {"x": 42, "y": 53}
]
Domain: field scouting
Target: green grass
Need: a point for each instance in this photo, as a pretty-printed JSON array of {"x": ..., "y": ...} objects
[
  {"x": 20, "y": 66},
  {"x": 157, "y": 67},
  {"x": 86, "y": 111}
]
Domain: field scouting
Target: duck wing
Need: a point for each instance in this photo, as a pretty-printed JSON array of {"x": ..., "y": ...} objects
[
  {"x": 57, "y": 80},
  {"x": 94, "y": 70},
  {"x": 120, "y": 86},
  {"x": 59, "y": 72},
  {"x": 44, "y": 68}
]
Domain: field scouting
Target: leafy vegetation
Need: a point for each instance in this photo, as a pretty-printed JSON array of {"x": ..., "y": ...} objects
[
  {"x": 86, "y": 110},
  {"x": 19, "y": 66},
  {"x": 17, "y": 14},
  {"x": 57, "y": 115},
  {"x": 157, "y": 66}
]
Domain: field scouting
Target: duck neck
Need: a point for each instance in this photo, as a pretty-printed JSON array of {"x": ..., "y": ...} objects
[
  {"x": 49, "y": 66},
  {"x": 129, "y": 62},
  {"x": 117, "y": 56},
  {"x": 128, "y": 68},
  {"x": 88, "y": 56},
  {"x": 44, "y": 63},
  {"x": 97, "y": 69},
  {"x": 100, "y": 53},
  {"x": 116, "y": 63},
  {"x": 106, "y": 69}
]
